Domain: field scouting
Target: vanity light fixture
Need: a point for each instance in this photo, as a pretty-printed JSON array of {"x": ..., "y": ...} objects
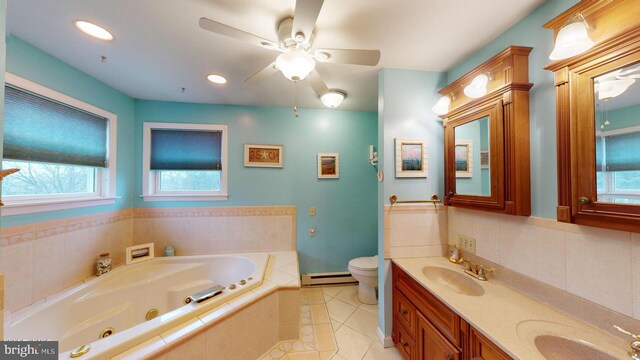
[
  {"x": 478, "y": 87},
  {"x": 573, "y": 39},
  {"x": 216, "y": 79},
  {"x": 333, "y": 98},
  {"x": 442, "y": 106},
  {"x": 295, "y": 64},
  {"x": 93, "y": 30}
]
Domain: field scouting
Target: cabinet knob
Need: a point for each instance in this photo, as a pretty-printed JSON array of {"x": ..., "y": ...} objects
[
  {"x": 404, "y": 312},
  {"x": 449, "y": 357},
  {"x": 583, "y": 200}
]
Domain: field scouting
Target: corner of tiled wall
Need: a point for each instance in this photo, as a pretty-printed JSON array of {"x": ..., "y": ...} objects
[{"x": 415, "y": 230}]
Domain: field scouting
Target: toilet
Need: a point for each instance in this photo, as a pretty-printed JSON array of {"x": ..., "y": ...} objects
[{"x": 365, "y": 270}]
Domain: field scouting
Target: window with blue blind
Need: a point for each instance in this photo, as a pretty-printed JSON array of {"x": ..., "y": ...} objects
[
  {"x": 618, "y": 167},
  {"x": 184, "y": 162},
  {"x": 64, "y": 148}
]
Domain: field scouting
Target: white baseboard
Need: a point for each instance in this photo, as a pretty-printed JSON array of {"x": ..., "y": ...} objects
[{"x": 386, "y": 341}]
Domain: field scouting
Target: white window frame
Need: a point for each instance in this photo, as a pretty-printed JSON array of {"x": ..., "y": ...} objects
[
  {"x": 105, "y": 179},
  {"x": 150, "y": 179},
  {"x": 608, "y": 176}
]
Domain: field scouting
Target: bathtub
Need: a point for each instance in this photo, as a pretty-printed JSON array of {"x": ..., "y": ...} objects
[{"x": 121, "y": 299}]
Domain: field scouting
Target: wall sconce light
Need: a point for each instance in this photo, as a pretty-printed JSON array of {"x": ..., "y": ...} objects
[
  {"x": 478, "y": 87},
  {"x": 442, "y": 106},
  {"x": 573, "y": 39},
  {"x": 333, "y": 98}
]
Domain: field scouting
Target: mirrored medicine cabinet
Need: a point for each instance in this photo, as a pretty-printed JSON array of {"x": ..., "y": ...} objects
[
  {"x": 487, "y": 136},
  {"x": 598, "y": 119}
]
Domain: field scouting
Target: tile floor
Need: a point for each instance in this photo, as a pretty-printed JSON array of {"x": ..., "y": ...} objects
[{"x": 335, "y": 325}]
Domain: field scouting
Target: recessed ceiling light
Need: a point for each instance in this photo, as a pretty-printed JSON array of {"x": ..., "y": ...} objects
[
  {"x": 216, "y": 79},
  {"x": 94, "y": 30}
]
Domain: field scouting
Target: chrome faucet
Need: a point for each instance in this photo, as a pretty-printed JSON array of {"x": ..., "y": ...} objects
[
  {"x": 635, "y": 344},
  {"x": 478, "y": 271}
]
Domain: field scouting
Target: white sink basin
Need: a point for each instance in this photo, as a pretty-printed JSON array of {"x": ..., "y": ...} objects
[{"x": 454, "y": 281}]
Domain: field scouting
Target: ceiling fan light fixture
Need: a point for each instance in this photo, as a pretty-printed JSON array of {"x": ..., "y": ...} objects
[
  {"x": 573, "y": 39},
  {"x": 322, "y": 56},
  {"x": 93, "y": 30},
  {"x": 478, "y": 87},
  {"x": 442, "y": 106},
  {"x": 333, "y": 98},
  {"x": 295, "y": 64},
  {"x": 216, "y": 79},
  {"x": 609, "y": 89}
]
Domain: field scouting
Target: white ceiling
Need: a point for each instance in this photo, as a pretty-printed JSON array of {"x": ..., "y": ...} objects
[{"x": 159, "y": 47}]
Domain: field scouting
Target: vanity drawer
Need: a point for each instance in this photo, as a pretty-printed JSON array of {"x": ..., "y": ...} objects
[
  {"x": 404, "y": 312},
  {"x": 404, "y": 342},
  {"x": 444, "y": 319}
]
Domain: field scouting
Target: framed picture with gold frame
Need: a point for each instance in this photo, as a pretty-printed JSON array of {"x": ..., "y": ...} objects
[
  {"x": 464, "y": 158},
  {"x": 411, "y": 158},
  {"x": 263, "y": 155}
]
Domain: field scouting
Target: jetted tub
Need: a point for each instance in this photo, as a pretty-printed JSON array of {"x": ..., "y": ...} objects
[{"x": 122, "y": 299}]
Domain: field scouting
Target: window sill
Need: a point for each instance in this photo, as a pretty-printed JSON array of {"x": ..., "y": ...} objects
[
  {"x": 21, "y": 208},
  {"x": 173, "y": 197}
]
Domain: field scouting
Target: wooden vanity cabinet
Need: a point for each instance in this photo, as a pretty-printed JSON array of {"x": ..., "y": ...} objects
[{"x": 424, "y": 328}]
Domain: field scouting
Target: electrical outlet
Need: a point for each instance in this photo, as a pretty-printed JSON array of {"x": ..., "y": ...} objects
[
  {"x": 312, "y": 211},
  {"x": 467, "y": 243}
]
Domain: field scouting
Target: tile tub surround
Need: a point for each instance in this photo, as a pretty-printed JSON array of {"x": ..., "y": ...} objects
[
  {"x": 243, "y": 328},
  {"x": 415, "y": 230},
  {"x": 41, "y": 259},
  {"x": 333, "y": 324},
  {"x": 217, "y": 230},
  {"x": 508, "y": 317},
  {"x": 599, "y": 265}
]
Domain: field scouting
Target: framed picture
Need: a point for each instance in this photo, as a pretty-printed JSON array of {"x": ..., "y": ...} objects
[
  {"x": 411, "y": 158},
  {"x": 484, "y": 159},
  {"x": 328, "y": 166},
  {"x": 263, "y": 155},
  {"x": 464, "y": 158}
]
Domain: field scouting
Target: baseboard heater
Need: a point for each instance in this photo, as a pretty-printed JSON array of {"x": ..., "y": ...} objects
[{"x": 334, "y": 278}]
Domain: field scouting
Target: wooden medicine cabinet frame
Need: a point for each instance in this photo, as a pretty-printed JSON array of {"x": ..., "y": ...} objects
[
  {"x": 616, "y": 32},
  {"x": 507, "y": 105}
]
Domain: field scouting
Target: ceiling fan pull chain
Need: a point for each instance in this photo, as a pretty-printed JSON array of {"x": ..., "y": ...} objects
[{"x": 295, "y": 106}]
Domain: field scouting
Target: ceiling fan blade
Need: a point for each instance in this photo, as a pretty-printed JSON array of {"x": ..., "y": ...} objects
[
  {"x": 316, "y": 82},
  {"x": 226, "y": 30},
  {"x": 304, "y": 17},
  {"x": 349, "y": 56},
  {"x": 263, "y": 74}
]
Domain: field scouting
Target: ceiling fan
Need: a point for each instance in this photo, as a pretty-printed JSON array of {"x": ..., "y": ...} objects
[{"x": 298, "y": 59}]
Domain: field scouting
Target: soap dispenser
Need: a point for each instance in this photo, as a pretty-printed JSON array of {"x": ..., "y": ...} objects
[{"x": 454, "y": 254}]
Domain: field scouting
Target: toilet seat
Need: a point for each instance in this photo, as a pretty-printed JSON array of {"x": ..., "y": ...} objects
[{"x": 364, "y": 263}]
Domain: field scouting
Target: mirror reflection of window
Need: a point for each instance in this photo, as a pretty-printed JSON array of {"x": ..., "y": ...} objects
[
  {"x": 473, "y": 174},
  {"x": 617, "y": 140}
]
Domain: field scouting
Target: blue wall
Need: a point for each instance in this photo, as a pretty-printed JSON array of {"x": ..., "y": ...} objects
[
  {"x": 405, "y": 98},
  {"x": 529, "y": 32},
  {"x": 33, "y": 64},
  {"x": 346, "y": 216}
]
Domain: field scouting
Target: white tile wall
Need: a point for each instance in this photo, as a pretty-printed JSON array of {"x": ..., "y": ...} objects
[
  {"x": 41, "y": 259},
  {"x": 602, "y": 266},
  {"x": 415, "y": 230}
]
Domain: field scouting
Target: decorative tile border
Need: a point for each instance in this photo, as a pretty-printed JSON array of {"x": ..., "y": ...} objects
[
  {"x": 289, "y": 210},
  {"x": 24, "y": 233}
]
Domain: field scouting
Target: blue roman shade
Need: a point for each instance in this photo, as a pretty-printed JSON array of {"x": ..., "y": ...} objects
[
  {"x": 620, "y": 155},
  {"x": 185, "y": 149},
  {"x": 599, "y": 153},
  {"x": 43, "y": 130}
]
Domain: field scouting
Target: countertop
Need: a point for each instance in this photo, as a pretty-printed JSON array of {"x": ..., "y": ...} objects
[{"x": 509, "y": 318}]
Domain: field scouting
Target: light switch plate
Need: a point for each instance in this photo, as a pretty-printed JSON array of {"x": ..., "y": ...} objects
[{"x": 467, "y": 243}]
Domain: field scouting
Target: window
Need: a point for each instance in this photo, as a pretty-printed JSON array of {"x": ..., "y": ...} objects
[
  {"x": 184, "y": 162},
  {"x": 618, "y": 176},
  {"x": 65, "y": 150}
]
